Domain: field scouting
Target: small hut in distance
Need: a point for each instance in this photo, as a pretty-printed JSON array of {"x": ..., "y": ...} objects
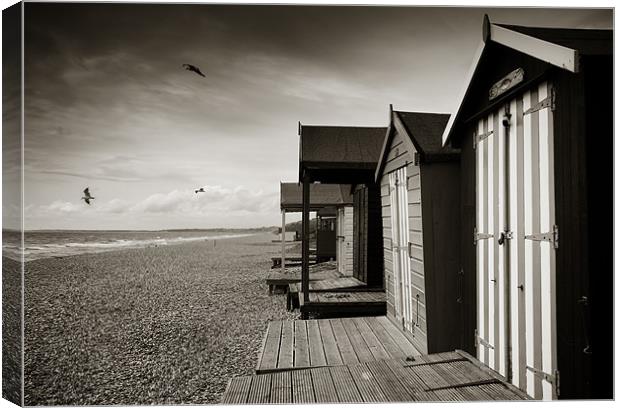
[{"x": 333, "y": 205}]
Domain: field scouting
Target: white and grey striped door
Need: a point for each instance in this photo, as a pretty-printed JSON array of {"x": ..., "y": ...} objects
[
  {"x": 400, "y": 241},
  {"x": 516, "y": 238}
]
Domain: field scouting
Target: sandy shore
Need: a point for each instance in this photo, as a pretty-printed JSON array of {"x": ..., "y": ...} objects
[{"x": 165, "y": 325}]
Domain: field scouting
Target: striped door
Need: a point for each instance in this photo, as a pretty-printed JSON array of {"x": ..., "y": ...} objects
[
  {"x": 516, "y": 239},
  {"x": 400, "y": 246}
]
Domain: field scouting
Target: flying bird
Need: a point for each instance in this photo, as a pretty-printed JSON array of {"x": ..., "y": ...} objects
[
  {"x": 87, "y": 197},
  {"x": 193, "y": 68},
  {"x": 200, "y": 190}
]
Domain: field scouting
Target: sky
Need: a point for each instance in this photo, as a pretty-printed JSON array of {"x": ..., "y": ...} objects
[{"x": 108, "y": 105}]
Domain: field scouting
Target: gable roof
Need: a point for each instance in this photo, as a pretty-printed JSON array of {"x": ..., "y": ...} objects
[
  {"x": 424, "y": 129},
  {"x": 339, "y": 148},
  {"x": 321, "y": 196},
  {"x": 560, "y": 47}
]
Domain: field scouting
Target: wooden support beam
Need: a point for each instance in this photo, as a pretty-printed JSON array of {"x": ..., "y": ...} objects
[
  {"x": 305, "y": 243},
  {"x": 283, "y": 239}
]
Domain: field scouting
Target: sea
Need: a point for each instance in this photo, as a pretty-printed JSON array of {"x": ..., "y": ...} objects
[{"x": 54, "y": 243}]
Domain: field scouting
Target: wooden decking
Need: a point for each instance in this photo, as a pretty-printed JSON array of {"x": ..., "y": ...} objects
[
  {"x": 342, "y": 284},
  {"x": 344, "y": 303},
  {"x": 327, "y": 342},
  {"x": 454, "y": 376},
  {"x": 321, "y": 271}
]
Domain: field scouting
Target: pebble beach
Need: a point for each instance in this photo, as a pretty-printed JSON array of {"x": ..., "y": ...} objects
[{"x": 157, "y": 325}]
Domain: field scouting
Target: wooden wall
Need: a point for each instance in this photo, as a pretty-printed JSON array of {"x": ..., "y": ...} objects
[
  {"x": 444, "y": 285},
  {"x": 345, "y": 241},
  {"x": 401, "y": 152},
  {"x": 367, "y": 224}
]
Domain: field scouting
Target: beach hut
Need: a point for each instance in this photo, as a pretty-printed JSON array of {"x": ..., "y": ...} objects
[
  {"x": 534, "y": 125},
  {"x": 346, "y": 155},
  {"x": 419, "y": 182},
  {"x": 328, "y": 200}
]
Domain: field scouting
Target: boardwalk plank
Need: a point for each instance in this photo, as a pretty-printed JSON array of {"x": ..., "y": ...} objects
[
  {"x": 366, "y": 383},
  {"x": 359, "y": 345},
  {"x": 281, "y": 391},
  {"x": 285, "y": 357},
  {"x": 301, "y": 350},
  {"x": 449, "y": 395},
  {"x": 324, "y": 389},
  {"x": 269, "y": 357},
  {"x": 374, "y": 345},
  {"x": 412, "y": 382},
  {"x": 260, "y": 390},
  {"x": 317, "y": 354},
  {"x": 301, "y": 382},
  {"x": 389, "y": 383},
  {"x": 345, "y": 385},
  {"x": 332, "y": 354},
  {"x": 344, "y": 344},
  {"x": 431, "y": 378},
  {"x": 398, "y": 337},
  {"x": 384, "y": 337},
  {"x": 237, "y": 391}
]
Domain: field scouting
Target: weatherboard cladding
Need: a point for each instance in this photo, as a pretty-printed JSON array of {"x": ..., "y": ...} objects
[
  {"x": 321, "y": 195},
  {"x": 432, "y": 197}
]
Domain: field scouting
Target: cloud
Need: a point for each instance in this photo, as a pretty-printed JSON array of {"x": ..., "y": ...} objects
[{"x": 215, "y": 200}]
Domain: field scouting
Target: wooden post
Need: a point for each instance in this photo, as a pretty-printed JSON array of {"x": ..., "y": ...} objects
[
  {"x": 305, "y": 240},
  {"x": 283, "y": 238}
]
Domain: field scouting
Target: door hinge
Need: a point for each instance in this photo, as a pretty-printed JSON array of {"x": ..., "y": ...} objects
[
  {"x": 480, "y": 137},
  {"x": 553, "y": 379},
  {"x": 553, "y": 237},
  {"x": 478, "y": 236},
  {"x": 548, "y": 102}
]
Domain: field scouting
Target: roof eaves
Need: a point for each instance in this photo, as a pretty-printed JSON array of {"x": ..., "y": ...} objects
[
  {"x": 470, "y": 75},
  {"x": 384, "y": 148},
  {"x": 554, "y": 54}
]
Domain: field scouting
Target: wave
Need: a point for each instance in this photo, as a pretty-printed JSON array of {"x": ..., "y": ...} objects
[{"x": 50, "y": 250}]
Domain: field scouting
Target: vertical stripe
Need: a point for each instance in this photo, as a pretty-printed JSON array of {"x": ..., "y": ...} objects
[
  {"x": 520, "y": 241},
  {"x": 535, "y": 204},
  {"x": 404, "y": 240},
  {"x": 394, "y": 241},
  {"x": 552, "y": 221},
  {"x": 480, "y": 246},
  {"x": 485, "y": 257},
  {"x": 529, "y": 270},
  {"x": 545, "y": 247},
  {"x": 497, "y": 229},
  {"x": 491, "y": 244},
  {"x": 513, "y": 221},
  {"x": 500, "y": 286}
]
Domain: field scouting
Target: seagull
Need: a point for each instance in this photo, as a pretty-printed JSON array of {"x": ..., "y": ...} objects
[
  {"x": 87, "y": 197},
  {"x": 194, "y": 69},
  {"x": 200, "y": 190}
]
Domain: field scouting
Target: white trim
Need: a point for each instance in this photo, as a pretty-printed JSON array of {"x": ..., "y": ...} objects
[
  {"x": 470, "y": 75},
  {"x": 560, "y": 56},
  {"x": 554, "y": 54}
]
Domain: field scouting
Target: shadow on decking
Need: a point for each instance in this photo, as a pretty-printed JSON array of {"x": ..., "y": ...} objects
[{"x": 453, "y": 376}]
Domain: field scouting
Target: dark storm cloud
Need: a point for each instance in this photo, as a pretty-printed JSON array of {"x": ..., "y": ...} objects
[{"x": 109, "y": 105}]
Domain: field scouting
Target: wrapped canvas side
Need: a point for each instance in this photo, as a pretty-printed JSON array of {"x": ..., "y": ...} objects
[{"x": 12, "y": 188}]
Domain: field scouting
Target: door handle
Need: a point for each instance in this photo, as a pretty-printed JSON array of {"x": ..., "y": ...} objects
[{"x": 502, "y": 238}]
